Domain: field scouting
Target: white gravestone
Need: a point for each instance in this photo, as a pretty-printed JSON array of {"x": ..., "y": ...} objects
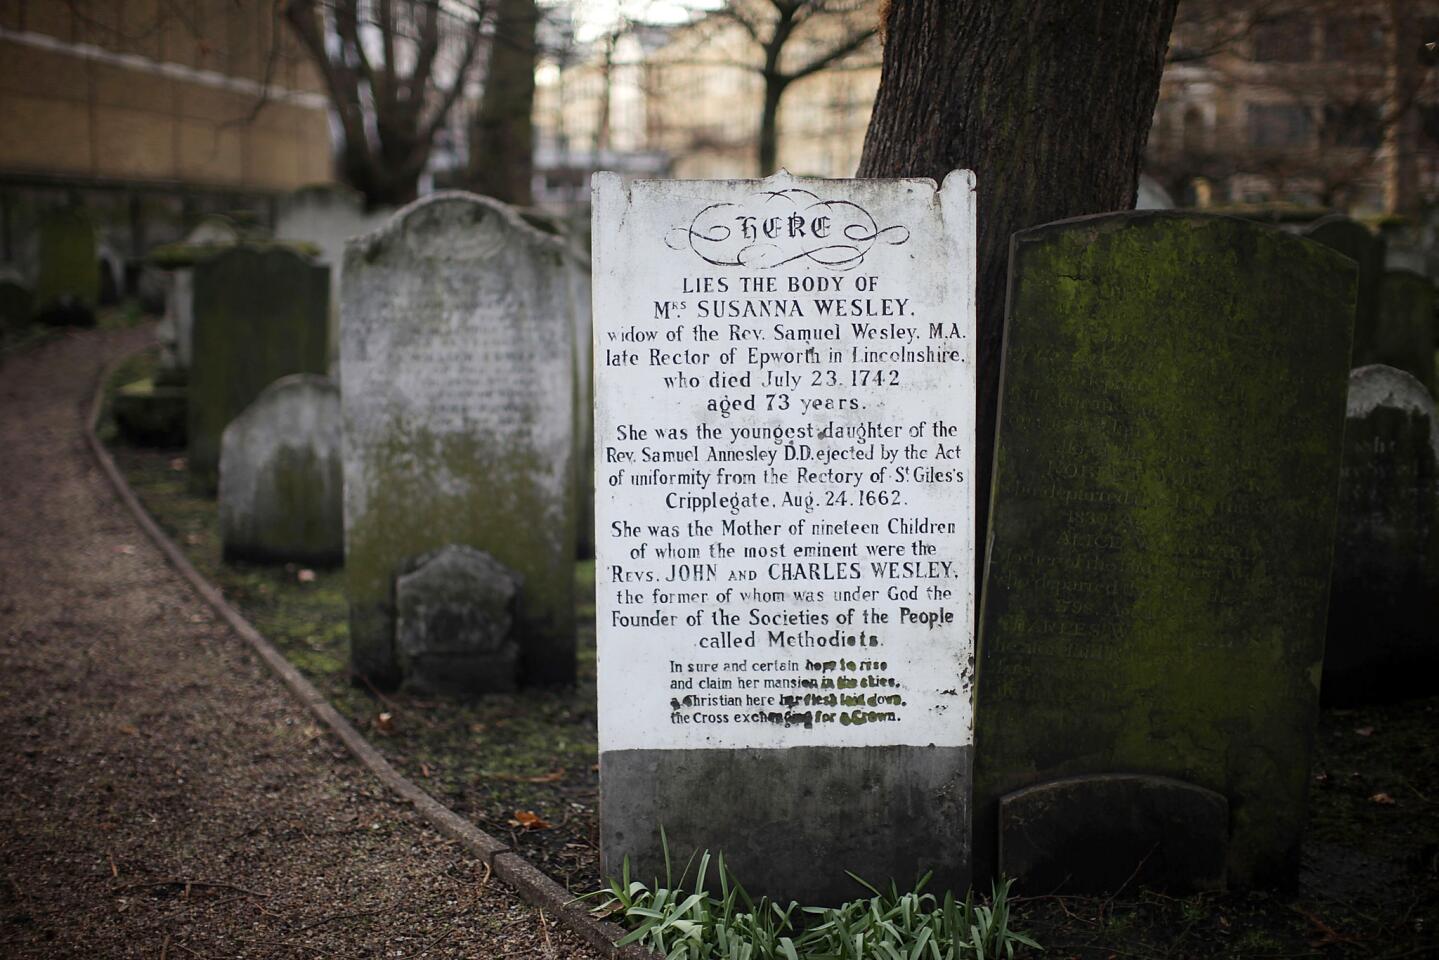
[{"x": 784, "y": 446}]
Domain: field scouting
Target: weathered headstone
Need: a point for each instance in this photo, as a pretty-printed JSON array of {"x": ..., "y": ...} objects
[
  {"x": 1404, "y": 335},
  {"x": 67, "y": 287},
  {"x": 17, "y": 304},
  {"x": 1384, "y": 602},
  {"x": 260, "y": 314},
  {"x": 207, "y": 238},
  {"x": 1167, "y": 464},
  {"x": 457, "y": 358},
  {"x": 577, "y": 270},
  {"x": 454, "y": 624},
  {"x": 149, "y": 414},
  {"x": 326, "y": 216},
  {"x": 1152, "y": 195},
  {"x": 1366, "y": 249},
  {"x": 784, "y": 425},
  {"x": 280, "y": 469}
]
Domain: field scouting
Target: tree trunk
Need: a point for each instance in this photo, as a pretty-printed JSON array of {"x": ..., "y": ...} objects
[
  {"x": 1048, "y": 101},
  {"x": 769, "y": 126},
  {"x": 501, "y": 137},
  {"x": 1401, "y": 170}
]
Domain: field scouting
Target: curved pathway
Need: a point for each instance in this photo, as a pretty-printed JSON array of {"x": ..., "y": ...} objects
[{"x": 161, "y": 794}]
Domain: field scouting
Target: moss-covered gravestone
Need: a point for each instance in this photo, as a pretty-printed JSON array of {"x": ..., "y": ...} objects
[
  {"x": 1404, "y": 335},
  {"x": 67, "y": 285},
  {"x": 457, "y": 358},
  {"x": 1166, "y": 472},
  {"x": 280, "y": 475},
  {"x": 1384, "y": 602},
  {"x": 259, "y": 314},
  {"x": 17, "y": 306},
  {"x": 325, "y": 216},
  {"x": 1366, "y": 249},
  {"x": 211, "y": 236}
]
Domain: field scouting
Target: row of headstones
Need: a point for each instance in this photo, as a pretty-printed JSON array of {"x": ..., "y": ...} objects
[{"x": 453, "y": 498}]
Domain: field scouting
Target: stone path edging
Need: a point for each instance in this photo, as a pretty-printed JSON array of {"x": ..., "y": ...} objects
[{"x": 531, "y": 885}]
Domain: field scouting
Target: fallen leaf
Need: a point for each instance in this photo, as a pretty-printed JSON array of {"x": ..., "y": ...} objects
[
  {"x": 305, "y": 576},
  {"x": 1383, "y": 799},
  {"x": 425, "y": 770},
  {"x": 178, "y": 464},
  {"x": 1364, "y": 731},
  {"x": 129, "y": 729},
  {"x": 194, "y": 539},
  {"x": 199, "y": 618},
  {"x": 126, "y": 549},
  {"x": 478, "y": 728},
  {"x": 385, "y": 723},
  {"x": 529, "y": 820}
]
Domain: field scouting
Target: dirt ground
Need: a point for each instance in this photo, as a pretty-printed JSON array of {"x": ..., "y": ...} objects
[{"x": 161, "y": 795}]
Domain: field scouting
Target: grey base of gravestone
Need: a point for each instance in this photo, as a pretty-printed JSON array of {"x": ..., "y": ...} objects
[
  {"x": 1101, "y": 834},
  {"x": 454, "y": 624},
  {"x": 807, "y": 833},
  {"x": 150, "y": 414}
]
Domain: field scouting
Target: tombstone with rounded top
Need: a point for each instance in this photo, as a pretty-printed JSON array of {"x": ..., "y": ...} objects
[
  {"x": 457, "y": 356},
  {"x": 454, "y": 632},
  {"x": 1383, "y": 641},
  {"x": 280, "y": 475}
]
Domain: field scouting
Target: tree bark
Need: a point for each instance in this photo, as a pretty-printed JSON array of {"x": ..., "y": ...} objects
[
  {"x": 1401, "y": 169},
  {"x": 501, "y": 137},
  {"x": 774, "y": 88},
  {"x": 1048, "y": 101}
]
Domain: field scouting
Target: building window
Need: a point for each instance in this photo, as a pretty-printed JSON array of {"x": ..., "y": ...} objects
[
  {"x": 1351, "y": 125},
  {"x": 1284, "y": 41},
  {"x": 1353, "y": 38},
  {"x": 1279, "y": 125}
]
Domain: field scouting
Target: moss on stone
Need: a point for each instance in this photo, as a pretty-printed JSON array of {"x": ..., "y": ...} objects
[
  {"x": 1163, "y": 510},
  {"x": 261, "y": 313}
]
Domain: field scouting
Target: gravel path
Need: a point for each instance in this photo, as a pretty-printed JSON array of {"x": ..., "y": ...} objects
[{"x": 161, "y": 795}]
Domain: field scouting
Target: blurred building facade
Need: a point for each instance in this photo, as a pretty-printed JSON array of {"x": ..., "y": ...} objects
[
  {"x": 151, "y": 113},
  {"x": 1314, "y": 102}
]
